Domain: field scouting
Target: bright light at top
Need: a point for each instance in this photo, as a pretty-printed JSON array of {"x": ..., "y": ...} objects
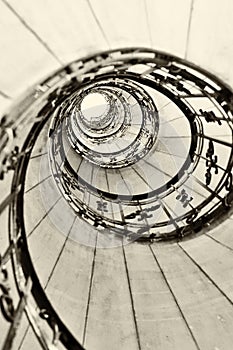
[{"x": 94, "y": 105}]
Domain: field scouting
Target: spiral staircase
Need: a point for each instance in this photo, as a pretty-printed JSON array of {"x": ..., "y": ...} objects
[{"x": 116, "y": 175}]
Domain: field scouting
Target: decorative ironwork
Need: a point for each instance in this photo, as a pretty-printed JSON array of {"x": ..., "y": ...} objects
[{"x": 150, "y": 173}]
